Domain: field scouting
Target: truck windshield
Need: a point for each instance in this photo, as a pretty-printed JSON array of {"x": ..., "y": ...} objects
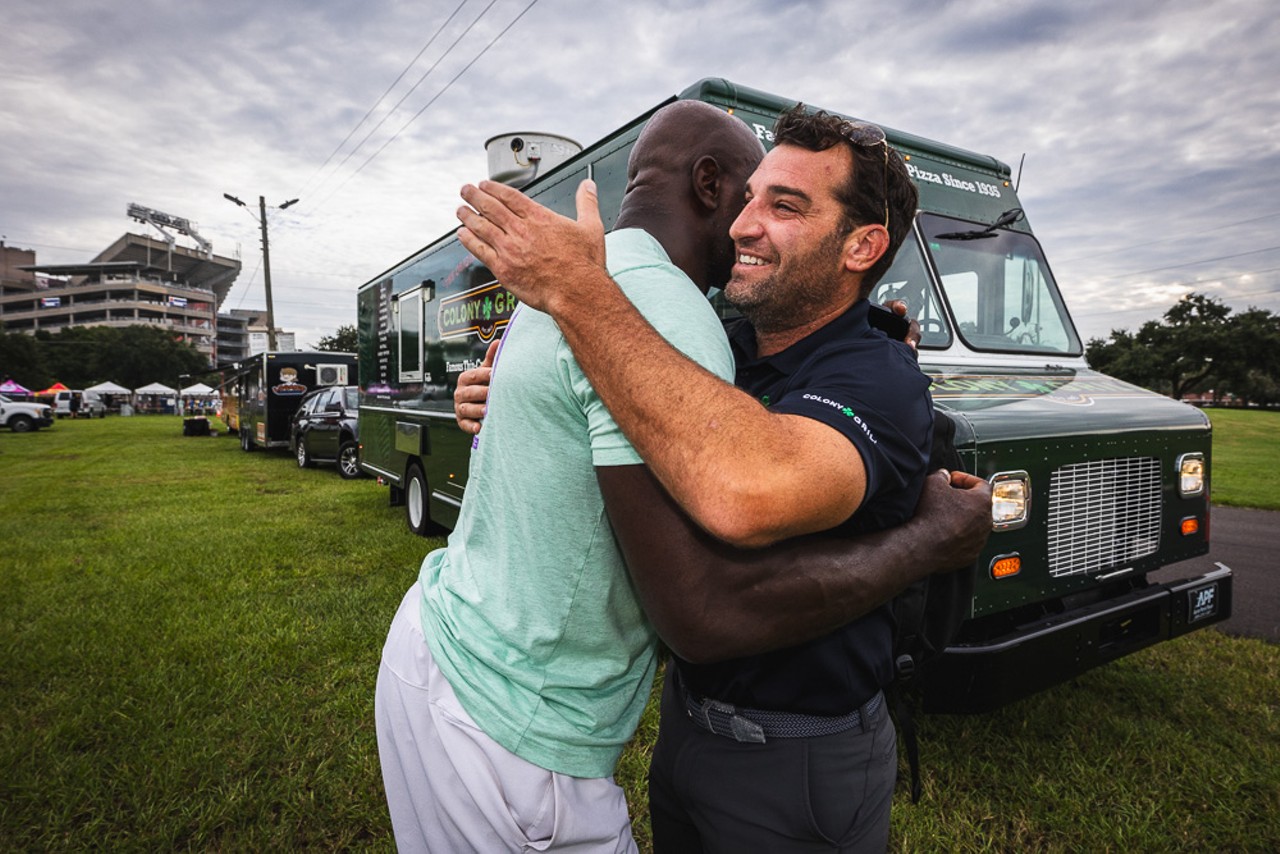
[
  {"x": 1000, "y": 290},
  {"x": 908, "y": 280}
]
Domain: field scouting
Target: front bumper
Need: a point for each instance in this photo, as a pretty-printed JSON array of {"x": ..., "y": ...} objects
[{"x": 982, "y": 677}]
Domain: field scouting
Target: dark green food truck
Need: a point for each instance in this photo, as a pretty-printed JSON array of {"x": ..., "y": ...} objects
[{"x": 1096, "y": 483}]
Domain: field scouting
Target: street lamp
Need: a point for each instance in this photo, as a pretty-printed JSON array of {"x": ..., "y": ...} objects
[{"x": 266, "y": 259}]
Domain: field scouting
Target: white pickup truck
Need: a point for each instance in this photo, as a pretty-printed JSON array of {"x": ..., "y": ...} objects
[{"x": 22, "y": 417}]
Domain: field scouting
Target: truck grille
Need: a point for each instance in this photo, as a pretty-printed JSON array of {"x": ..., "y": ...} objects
[{"x": 1103, "y": 514}]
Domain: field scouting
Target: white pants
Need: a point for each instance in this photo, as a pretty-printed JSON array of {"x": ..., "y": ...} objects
[{"x": 450, "y": 788}]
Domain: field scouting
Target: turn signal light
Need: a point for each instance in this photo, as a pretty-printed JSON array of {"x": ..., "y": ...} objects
[
  {"x": 1006, "y": 566},
  {"x": 1189, "y": 526}
]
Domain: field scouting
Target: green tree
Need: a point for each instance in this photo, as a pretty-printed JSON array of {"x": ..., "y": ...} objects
[
  {"x": 22, "y": 361},
  {"x": 345, "y": 340},
  {"x": 1252, "y": 371},
  {"x": 1186, "y": 351},
  {"x": 81, "y": 356}
]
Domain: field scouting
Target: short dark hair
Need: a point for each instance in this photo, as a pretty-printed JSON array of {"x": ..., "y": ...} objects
[{"x": 878, "y": 189}]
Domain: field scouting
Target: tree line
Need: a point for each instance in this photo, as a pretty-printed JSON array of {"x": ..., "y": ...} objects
[
  {"x": 132, "y": 356},
  {"x": 1199, "y": 346},
  {"x": 83, "y": 356}
]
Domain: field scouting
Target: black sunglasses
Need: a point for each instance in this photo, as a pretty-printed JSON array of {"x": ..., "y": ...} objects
[{"x": 866, "y": 135}]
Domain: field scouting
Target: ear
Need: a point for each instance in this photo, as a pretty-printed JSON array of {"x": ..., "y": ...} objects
[
  {"x": 864, "y": 246},
  {"x": 706, "y": 180}
]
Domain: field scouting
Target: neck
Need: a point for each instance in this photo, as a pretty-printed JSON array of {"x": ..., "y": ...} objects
[
  {"x": 774, "y": 340},
  {"x": 677, "y": 235}
]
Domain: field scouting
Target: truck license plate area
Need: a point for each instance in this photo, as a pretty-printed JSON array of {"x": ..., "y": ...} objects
[{"x": 1202, "y": 602}]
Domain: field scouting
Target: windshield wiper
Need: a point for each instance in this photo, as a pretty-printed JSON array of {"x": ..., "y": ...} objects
[{"x": 1009, "y": 217}]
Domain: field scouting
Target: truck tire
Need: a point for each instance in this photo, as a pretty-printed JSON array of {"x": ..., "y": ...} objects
[
  {"x": 304, "y": 456},
  {"x": 246, "y": 441},
  {"x": 415, "y": 500},
  {"x": 349, "y": 460},
  {"x": 22, "y": 424}
]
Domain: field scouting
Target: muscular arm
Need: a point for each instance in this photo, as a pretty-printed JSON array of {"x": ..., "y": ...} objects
[
  {"x": 741, "y": 472},
  {"x": 710, "y": 601}
]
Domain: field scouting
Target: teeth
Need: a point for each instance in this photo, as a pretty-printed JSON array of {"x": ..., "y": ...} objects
[{"x": 751, "y": 260}]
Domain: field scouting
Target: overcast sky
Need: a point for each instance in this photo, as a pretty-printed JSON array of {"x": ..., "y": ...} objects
[{"x": 1150, "y": 128}]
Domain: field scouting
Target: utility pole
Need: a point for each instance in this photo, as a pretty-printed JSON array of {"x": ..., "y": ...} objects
[
  {"x": 266, "y": 275},
  {"x": 266, "y": 260}
]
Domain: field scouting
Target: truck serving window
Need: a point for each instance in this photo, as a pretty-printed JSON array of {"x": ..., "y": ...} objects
[
  {"x": 409, "y": 319},
  {"x": 1000, "y": 290},
  {"x": 908, "y": 280}
]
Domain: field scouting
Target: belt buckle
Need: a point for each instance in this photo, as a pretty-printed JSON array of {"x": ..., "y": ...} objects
[{"x": 742, "y": 730}]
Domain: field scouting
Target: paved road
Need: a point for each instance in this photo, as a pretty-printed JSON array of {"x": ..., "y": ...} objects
[{"x": 1248, "y": 541}]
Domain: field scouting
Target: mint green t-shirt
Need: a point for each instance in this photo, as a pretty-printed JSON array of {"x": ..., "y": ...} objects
[{"x": 529, "y": 610}]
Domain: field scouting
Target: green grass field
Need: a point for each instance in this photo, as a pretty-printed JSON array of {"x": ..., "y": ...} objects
[
  {"x": 189, "y": 638},
  {"x": 1246, "y": 457}
]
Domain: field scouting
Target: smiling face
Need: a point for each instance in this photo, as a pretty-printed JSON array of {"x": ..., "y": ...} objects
[{"x": 791, "y": 240}]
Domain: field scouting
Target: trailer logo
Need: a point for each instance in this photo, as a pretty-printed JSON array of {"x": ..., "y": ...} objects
[
  {"x": 289, "y": 385},
  {"x": 482, "y": 312}
]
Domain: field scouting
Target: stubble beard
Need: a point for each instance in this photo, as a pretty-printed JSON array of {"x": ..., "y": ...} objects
[{"x": 798, "y": 290}]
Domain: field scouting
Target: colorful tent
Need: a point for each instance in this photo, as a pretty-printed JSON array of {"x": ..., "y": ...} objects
[
  {"x": 54, "y": 389},
  {"x": 10, "y": 387}
]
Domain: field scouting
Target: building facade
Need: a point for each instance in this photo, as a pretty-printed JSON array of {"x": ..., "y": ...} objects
[{"x": 136, "y": 280}]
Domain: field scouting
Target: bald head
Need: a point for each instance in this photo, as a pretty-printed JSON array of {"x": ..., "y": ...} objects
[
  {"x": 686, "y": 181},
  {"x": 681, "y": 133}
]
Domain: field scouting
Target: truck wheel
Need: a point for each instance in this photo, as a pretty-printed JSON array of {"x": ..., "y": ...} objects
[
  {"x": 21, "y": 424},
  {"x": 349, "y": 461},
  {"x": 415, "y": 500},
  {"x": 246, "y": 442},
  {"x": 304, "y": 457}
]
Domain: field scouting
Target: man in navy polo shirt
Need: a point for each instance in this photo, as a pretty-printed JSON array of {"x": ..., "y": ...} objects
[{"x": 829, "y": 432}]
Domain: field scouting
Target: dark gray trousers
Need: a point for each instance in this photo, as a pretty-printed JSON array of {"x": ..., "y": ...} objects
[{"x": 709, "y": 793}]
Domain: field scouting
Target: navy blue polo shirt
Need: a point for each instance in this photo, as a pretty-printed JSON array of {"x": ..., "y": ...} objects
[{"x": 853, "y": 378}]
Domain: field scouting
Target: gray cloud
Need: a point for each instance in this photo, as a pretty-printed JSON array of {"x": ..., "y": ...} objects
[{"x": 1149, "y": 128}]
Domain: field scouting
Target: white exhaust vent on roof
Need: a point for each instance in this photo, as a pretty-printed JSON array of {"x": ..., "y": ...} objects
[{"x": 517, "y": 158}]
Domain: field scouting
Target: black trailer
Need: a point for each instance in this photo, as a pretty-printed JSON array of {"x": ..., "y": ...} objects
[{"x": 268, "y": 388}]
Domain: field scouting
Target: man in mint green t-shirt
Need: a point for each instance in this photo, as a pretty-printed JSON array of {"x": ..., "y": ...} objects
[{"x": 504, "y": 727}]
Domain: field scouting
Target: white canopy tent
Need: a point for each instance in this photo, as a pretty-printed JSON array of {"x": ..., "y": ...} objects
[
  {"x": 109, "y": 388},
  {"x": 155, "y": 388},
  {"x": 198, "y": 390}
]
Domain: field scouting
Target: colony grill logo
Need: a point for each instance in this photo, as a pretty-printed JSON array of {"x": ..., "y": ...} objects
[{"x": 482, "y": 312}]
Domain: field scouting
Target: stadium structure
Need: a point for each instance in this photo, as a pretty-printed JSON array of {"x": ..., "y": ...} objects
[{"x": 137, "y": 280}]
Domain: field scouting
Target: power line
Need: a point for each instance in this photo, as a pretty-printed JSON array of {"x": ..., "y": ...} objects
[
  {"x": 403, "y": 97},
  {"x": 381, "y": 97},
  {"x": 1226, "y": 225},
  {"x": 434, "y": 98},
  {"x": 1113, "y": 310},
  {"x": 1188, "y": 264}
]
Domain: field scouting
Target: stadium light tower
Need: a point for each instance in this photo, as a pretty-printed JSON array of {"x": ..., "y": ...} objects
[{"x": 266, "y": 259}]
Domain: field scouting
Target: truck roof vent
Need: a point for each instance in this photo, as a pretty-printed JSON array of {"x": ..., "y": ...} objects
[{"x": 517, "y": 158}]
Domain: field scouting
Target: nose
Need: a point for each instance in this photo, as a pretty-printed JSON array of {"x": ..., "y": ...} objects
[{"x": 747, "y": 225}]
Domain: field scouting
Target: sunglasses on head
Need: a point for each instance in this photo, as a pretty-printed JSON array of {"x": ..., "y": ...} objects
[{"x": 865, "y": 135}]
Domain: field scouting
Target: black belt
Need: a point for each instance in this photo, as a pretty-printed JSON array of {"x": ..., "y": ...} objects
[{"x": 757, "y": 725}]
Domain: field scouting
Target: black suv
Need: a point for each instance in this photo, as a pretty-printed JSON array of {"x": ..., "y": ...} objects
[{"x": 324, "y": 429}]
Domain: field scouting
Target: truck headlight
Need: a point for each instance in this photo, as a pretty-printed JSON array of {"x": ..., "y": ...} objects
[
  {"x": 1191, "y": 475},
  {"x": 1010, "y": 500}
]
